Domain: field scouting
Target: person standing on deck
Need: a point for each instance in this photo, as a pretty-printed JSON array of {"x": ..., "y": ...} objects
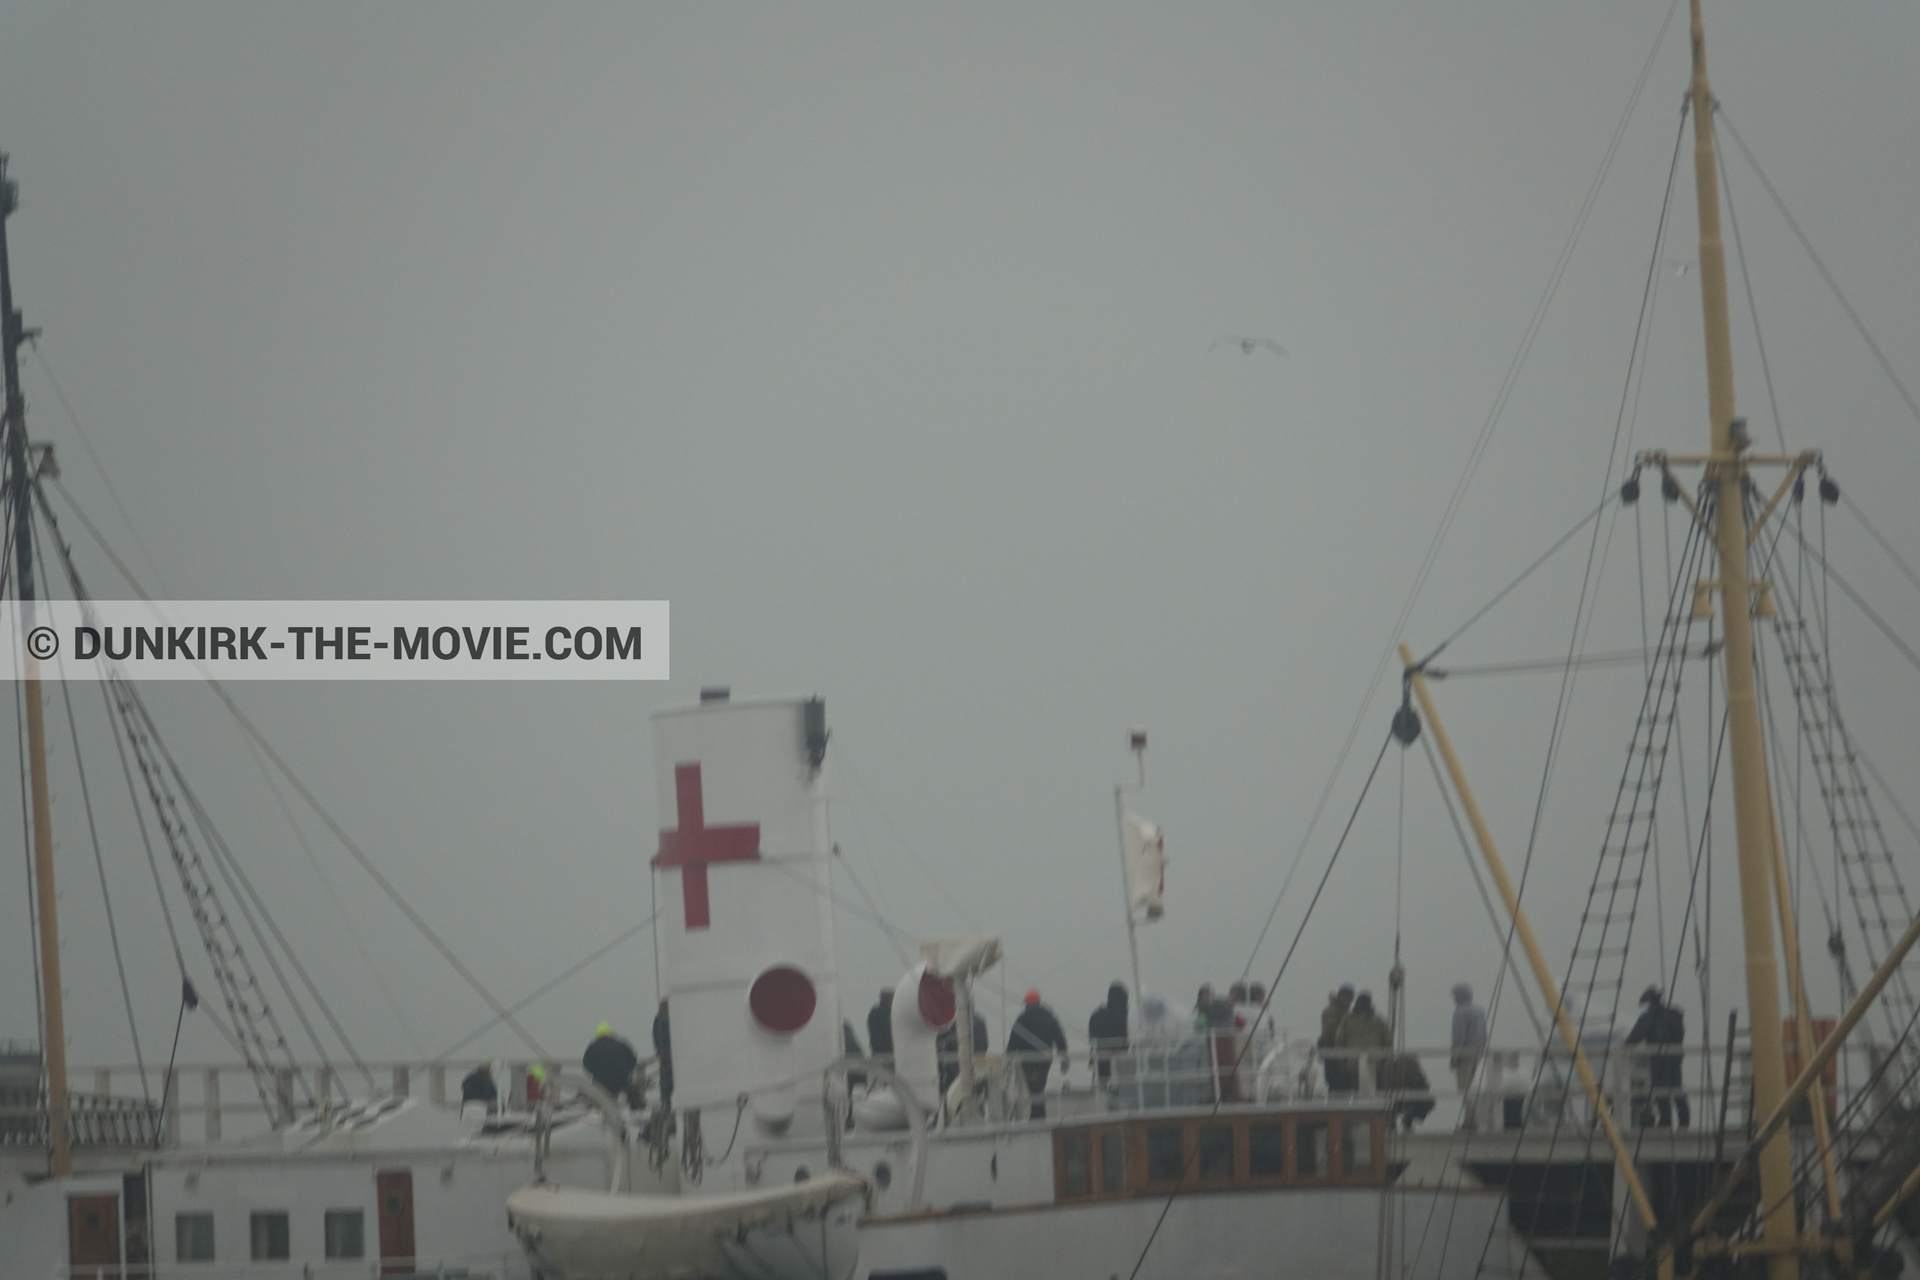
[
  {"x": 1469, "y": 1044},
  {"x": 1037, "y": 1032},
  {"x": 1363, "y": 1029},
  {"x": 609, "y": 1062},
  {"x": 478, "y": 1086},
  {"x": 1203, "y": 1008},
  {"x": 1342, "y": 1077},
  {"x": 1107, "y": 1032},
  {"x": 663, "y": 1050},
  {"x": 880, "y": 1028},
  {"x": 946, "y": 1044},
  {"x": 1665, "y": 1028}
]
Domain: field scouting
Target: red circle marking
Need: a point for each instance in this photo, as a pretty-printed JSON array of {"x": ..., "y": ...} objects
[
  {"x": 936, "y": 1000},
  {"x": 782, "y": 999}
]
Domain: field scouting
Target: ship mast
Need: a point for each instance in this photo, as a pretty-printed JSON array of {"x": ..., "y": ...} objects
[
  {"x": 19, "y": 497},
  {"x": 1753, "y": 818}
]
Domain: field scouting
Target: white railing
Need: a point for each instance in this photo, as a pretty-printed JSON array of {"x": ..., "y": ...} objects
[
  {"x": 215, "y": 1102},
  {"x": 462, "y": 1266},
  {"x": 1511, "y": 1088}
]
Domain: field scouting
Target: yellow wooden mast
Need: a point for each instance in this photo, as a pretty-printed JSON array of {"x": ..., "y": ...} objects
[
  {"x": 54, "y": 1037},
  {"x": 1726, "y": 473}
]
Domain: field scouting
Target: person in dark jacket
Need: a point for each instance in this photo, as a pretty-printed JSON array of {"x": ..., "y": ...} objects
[
  {"x": 1342, "y": 1075},
  {"x": 1107, "y": 1031},
  {"x": 946, "y": 1043},
  {"x": 663, "y": 1050},
  {"x": 1203, "y": 1008},
  {"x": 880, "y": 1027},
  {"x": 1037, "y": 1032},
  {"x": 850, "y": 1046},
  {"x": 479, "y": 1087},
  {"x": 1665, "y": 1029},
  {"x": 609, "y": 1062}
]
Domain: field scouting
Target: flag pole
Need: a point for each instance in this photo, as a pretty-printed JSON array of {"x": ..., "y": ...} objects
[{"x": 1137, "y": 739}]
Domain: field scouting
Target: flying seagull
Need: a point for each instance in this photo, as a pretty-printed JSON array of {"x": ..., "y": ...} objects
[{"x": 1247, "y": 345}]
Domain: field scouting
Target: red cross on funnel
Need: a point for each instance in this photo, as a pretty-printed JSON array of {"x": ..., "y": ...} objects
[{"x": 696, "y": 845}]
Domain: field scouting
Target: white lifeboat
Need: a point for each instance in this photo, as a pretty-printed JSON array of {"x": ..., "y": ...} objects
[{"x": 807, "y": 1231}]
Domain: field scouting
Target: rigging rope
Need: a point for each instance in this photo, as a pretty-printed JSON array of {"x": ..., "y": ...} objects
[
  {"x": 148, "y": 733},
  {"x": 313, "y": 802},
  {"x": 1495, "y": 412},
  {"x": 106, "y": 898},
  {"x": 1886, "y": 546},
  {"x": 1746, "y": 285},
  {"x": 624, "y": 935},
  {"x": 93, "y": 833},
  {"x": 1859, "y": 325},
  {"x": 1885, "y": 628},
  {"x": 1272, "y": 990}
]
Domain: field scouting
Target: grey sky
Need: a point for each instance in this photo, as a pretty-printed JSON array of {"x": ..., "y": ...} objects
[{"x": 876, "y": 340}]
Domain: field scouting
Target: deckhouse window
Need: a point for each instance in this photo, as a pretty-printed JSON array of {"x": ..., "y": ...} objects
[
  {"x": 1356, "y": 1146},
  {"x": 346, "y": 1232},
  {"x": 193, "y": 1237},
  {"x": 1166, "y": 1153},
  {"x": 1076, "y": 1174},
  {"x": 1216, "y": 1153},
  {"x": 272, "y": 1237},
  {"x": 1089, "y": 1163},
  {"x": 1113, "y": 1161},
  {"x": 1266, "y": 1151},
  {"x": 1310, "y": 1148}
]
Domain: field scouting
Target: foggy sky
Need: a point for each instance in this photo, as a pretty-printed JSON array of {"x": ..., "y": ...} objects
[{"x": 876, "y": 339}]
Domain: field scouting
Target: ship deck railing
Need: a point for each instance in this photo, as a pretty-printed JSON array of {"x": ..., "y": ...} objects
[{"x": 1511, "y": 1088}]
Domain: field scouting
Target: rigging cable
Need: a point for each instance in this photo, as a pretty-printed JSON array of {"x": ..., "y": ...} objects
[
  {"x": 1272, "y": 990},
  {"x": 26, "y": 821},
  {"x": 93, "y": 455},
  {"x": 326, "y": 817},
  {"x": 223, "y": 856},
  {"x": 93, "y": 832},
  {"x": 346, "y": 917},
  {"x": 1583, "y": 617},
  {"x": 1746, "y": 284},
  {"x": 1525, "y": 573},
  {"x": 1495, "y": 412},
  {"x": 624, "y": 935},
  {"x": 1885, "y": 628},
  {"x": 1878, "y": 537},
  {"x": 1859, "y": 325},
  {"x": 106, "y": 898}
]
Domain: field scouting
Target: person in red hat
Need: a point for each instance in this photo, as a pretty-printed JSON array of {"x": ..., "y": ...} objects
[{"x": 1038, "y": 1039}]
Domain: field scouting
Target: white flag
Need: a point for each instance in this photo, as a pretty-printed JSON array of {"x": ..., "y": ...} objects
[{"x": 1146, "y": 849}]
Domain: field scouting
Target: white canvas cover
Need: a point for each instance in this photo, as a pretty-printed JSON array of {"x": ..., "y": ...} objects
[
  {"x": 916, "y": 1062},
  {"x": 963, "y": 956},
  {"x": 807, "y": 1229},
  {"x": 1146, "y": 848}
]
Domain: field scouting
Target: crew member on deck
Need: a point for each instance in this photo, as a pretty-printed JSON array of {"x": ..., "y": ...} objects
[
  {"x": 1363, "y": 1029},
  {"x": 946, "y": 1043},
  {"x": 1107, "y": 1031},
  {"x": 1469, "y": 1045},
  {"x": 1203, "y": 1008},
  {"x": 663, "y": 1050},
  {"x": 880, "y": 1028},
  {"x": 609, "y": 1062},
  {"x": 1341, "y": 1074},
  {"x": 536, "y": 1085},
  {"x": 479, "y": 1087},
  {"x": 1038, "y": 1038},
  {"x": 1665, "y": 1028}
]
